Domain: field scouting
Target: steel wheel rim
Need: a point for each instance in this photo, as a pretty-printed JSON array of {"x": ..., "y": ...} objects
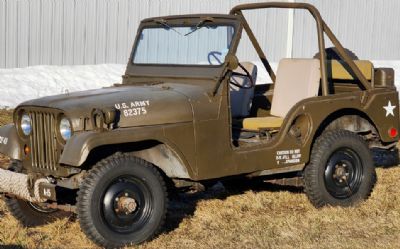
[
  {"x": 41, "y": 209},
  {"x": 124, "y": 221},
  {"x": 343, "y": 173}
]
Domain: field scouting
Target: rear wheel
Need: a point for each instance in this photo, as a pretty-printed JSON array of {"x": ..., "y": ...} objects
[
  {"x": 341, "y": 171},
  {"x": 122, "y": 201}
]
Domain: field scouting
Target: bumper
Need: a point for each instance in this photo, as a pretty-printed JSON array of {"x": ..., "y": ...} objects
[
  {"x": 17, "y": 184},
  {"x": 10, "y": 143},
  {"x": 385, "y": 157}
]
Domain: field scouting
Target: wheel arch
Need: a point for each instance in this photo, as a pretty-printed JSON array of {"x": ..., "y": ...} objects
[
  {"x": 87, "y": 149},
  {"x": 349, "y": 119},
  {"x": 155, "y": 152}
]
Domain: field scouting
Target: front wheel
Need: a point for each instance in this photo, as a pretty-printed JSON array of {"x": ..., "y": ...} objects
[
  {"x": 32, "y": 214},
  {"x": 341, "y": 171},
  {"x": 122, "y": 201}
]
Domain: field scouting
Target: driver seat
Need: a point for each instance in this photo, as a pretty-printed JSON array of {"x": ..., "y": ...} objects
[{"x": 242, "y": 98}]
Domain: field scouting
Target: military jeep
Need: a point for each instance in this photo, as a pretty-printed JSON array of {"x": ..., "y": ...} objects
[{"x": 189, "y": 112}]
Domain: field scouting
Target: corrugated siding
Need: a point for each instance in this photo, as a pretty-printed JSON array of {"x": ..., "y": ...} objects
[
  {"x": 66, "y": 32},
  {"x": 370, "y": 28}
]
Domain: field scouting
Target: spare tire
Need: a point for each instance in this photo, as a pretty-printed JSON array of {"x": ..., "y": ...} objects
[{"x": 333, "y": 54}]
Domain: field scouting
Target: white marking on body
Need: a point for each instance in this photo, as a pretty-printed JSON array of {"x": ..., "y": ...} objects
[
  {"x": 133, "y": 108},
  {"x": 288, "y": 156},
  {"x": 3, "y": 140},
  {"x": 389, "y": 109}
]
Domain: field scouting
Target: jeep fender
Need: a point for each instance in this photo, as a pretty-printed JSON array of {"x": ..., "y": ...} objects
[
  {"x": 166, "y": 159},
  {"x": 10, "y": 143},
  {"x": 165, "y": 155}
]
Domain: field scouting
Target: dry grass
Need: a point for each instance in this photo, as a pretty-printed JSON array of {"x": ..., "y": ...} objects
[
  {"x": 5, "y": 116},
  {"x": 259, "y": 216}
]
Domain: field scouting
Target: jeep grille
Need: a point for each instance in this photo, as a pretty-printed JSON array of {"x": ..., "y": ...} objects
[{"x": 44, "y": 141}]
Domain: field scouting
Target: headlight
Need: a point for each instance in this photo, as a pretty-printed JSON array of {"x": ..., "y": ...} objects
[
  {"x": 26, "y": 124},
  {"x": 65, "y": 129}
]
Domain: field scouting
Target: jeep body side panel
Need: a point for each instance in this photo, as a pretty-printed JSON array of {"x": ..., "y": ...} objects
[
  {"x": 181, "y": 138},
  {"x": 383, "y": 119},
  {"x": 205, "y": 147},
  {"x": 10, "y": 143},
  {"x": 217, "y": 157}
]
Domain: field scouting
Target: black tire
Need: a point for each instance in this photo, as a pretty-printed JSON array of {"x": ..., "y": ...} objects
[
  {"x": 30, "y": 214},
  {"x": 99, "y": 207},
  {"x": 385, "y": 158},
  {"x": 332, "y": 54},
  {"x": 341, "y": 171},
  {"x": 27, "y": 213}
]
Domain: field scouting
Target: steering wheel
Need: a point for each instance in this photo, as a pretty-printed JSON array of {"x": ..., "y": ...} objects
[
  {"x": 216, "y": 56},
  {"x": 246, "y": 74}
]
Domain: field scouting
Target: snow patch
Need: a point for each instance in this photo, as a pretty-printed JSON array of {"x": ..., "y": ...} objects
[{"x": 21, "y": 84}]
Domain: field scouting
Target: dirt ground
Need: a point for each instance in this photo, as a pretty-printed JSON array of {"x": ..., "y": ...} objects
[{"x": 261, "y": 215}]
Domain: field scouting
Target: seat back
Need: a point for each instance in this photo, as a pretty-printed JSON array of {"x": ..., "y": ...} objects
[
  {"x": 296, "y": 79},
  {"x": 241, "y": 99},
  {"x": 340, "y": 72}
]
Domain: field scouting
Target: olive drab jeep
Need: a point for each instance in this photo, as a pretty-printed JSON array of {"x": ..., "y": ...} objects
[{"x": 189, "y": 112}]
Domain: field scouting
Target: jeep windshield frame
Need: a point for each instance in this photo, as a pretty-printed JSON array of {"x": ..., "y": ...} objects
[
  {"x": 139, "y": 72},
  {"x": 184, "y": 45},
  {"x": 322, "y": 29}
]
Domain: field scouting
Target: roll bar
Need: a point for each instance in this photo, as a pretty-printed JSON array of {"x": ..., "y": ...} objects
[{"x": 321, "y": 28}]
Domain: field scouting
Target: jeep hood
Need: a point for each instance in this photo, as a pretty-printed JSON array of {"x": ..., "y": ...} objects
[{"x": 138, "y": 105}]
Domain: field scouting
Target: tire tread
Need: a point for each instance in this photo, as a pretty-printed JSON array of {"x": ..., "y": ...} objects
[
  {"x": 321, "y": 145},
  {"x": 89, "y": 183}
]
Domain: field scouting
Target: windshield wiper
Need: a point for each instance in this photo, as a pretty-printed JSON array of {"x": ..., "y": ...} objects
[
  {"x": 200, "y": 25},
  {"x": 166, "y": 25}
]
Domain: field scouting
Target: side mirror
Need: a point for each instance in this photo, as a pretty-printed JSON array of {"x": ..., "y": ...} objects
[{"x": 232, "y": 61}]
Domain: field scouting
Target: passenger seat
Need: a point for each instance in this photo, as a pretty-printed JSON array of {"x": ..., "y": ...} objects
[{"x": 296, "y": 79}]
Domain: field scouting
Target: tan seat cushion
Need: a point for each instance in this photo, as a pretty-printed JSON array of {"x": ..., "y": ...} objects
[
  {"x": 339, "y": 72},
  {"x": 296, "y": 79},
  {"x": 262, "y": 122}
]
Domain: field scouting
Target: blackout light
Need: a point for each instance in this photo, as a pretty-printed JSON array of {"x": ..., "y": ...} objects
[{"x": 393, "y": 132}]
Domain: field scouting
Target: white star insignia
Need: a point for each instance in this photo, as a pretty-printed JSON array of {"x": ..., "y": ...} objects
[{"x": 389, "y": 109}]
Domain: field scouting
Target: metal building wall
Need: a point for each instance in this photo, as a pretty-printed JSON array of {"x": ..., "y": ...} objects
[
  {"x": 370, "y": 28},
  {"x": 66, "y": 32}
]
